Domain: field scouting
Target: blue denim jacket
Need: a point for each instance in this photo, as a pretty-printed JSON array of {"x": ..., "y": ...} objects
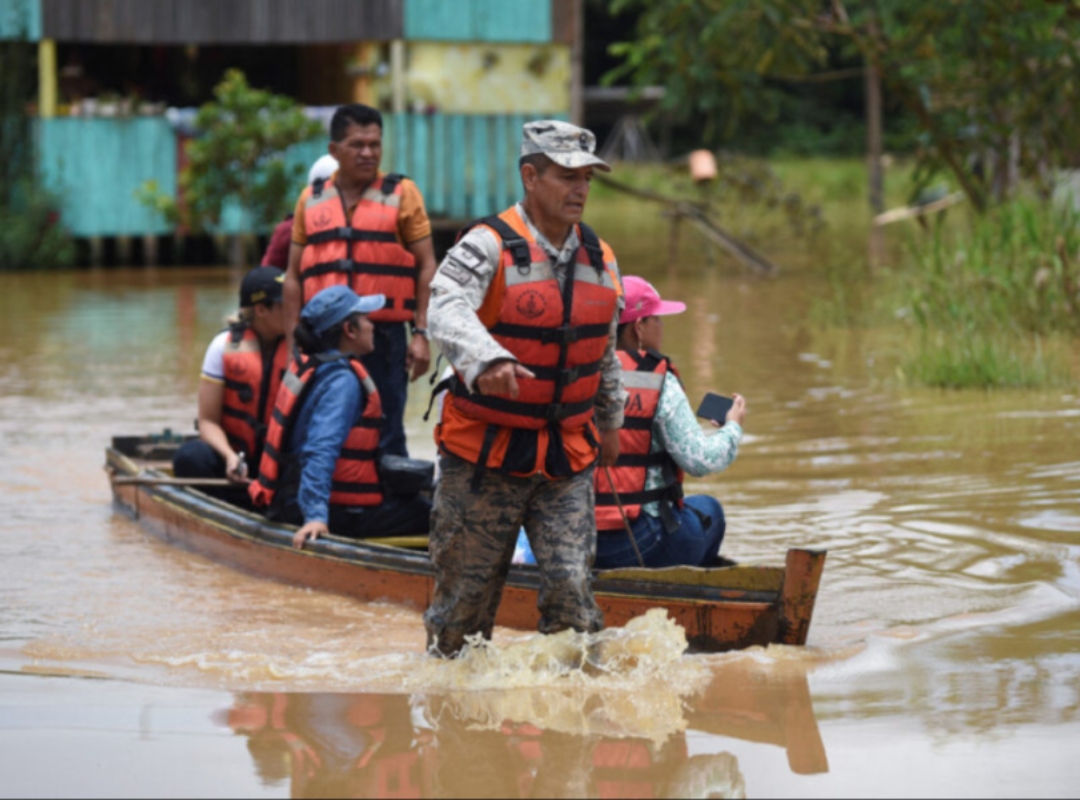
[{"x": 334, "y": 403}]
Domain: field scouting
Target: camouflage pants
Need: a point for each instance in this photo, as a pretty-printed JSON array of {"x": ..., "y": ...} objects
[{"x": 472, "y": 541}]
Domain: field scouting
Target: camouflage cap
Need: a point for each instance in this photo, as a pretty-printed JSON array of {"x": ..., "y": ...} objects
[{"x": 567, "y": 145}]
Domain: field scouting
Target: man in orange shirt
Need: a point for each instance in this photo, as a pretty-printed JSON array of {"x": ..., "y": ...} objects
[{"x": 369, "y": 231}]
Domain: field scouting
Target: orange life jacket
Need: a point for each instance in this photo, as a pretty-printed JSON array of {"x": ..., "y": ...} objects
[
  {"x": 363, "y": 253},
  {"x": 643, "y": 378},
  {"x": 634, "y": 768},
  {"x": 560, "y": 335},
  {"x": 356, "y": 478},
  {"x": 252, "y": 378}
]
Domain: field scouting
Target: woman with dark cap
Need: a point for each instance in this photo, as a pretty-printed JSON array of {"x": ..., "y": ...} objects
[
  {"x": 240, "y": 376},
  {"x": 659, "y": 441}
]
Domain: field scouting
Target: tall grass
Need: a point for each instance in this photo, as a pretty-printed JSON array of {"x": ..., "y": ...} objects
[{"x": 997, "y": 303}]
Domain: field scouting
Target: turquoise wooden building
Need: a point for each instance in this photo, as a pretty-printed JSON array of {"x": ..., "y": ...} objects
[{"x": 456, "y": 79}]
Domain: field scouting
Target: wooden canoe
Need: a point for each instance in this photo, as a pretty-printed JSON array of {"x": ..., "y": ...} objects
[{"x": 720, "y": 609}]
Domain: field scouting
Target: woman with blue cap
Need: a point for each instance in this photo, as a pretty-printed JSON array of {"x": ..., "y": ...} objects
[{"x": 320, "y": 466}]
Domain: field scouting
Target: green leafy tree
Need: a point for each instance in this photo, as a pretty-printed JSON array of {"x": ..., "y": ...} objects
[
  {"x": 239, "y": 154},
  {"x": 993, "y": 85}
]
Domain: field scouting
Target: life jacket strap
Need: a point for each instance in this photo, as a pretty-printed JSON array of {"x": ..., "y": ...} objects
[
  {"x": 670, "y": 493},
  {"x": 257, "y": 426},
  {"x": 439, "y": 388},
  {"x": 562, "y": 335},
  {"x": 481, "y": 462},
  {"x": 511, "y": 240},
  {"x": 242, "y": 389},
  {"x": 642, "y": 459},
  {"x": 564, "y": 377},
  {"x": 551, "y": 412},
  {"x": 350, "y": 234},
  {"x": 354, "y": 488},
  {"x": 390, "y": 182},
  {"x": 351, "y": 267},
  {"x": 591, "y": 242}
]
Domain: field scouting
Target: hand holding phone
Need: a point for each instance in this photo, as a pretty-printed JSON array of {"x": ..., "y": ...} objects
[
  {"x": 715, "y": 407},
  {"x": 719, "y": 409}
]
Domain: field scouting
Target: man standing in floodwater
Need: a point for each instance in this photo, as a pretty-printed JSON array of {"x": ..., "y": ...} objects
[
  {"x": 525, "y": 307},
  {"x": 368, "y": 231}
]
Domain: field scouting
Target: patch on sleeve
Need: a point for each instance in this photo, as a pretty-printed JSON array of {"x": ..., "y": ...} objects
[
  {"x": 456, "y": 271},
  {"x": 469, "y": 256}
]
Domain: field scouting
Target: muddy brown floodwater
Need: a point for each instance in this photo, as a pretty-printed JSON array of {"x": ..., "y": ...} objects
[{"x": 944, "y": 657}]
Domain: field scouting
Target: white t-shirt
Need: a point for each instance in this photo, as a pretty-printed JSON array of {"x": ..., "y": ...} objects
[{"x": 213, "y": 365}]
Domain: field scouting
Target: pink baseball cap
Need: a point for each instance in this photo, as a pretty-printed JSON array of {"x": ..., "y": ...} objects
[{"x": 642, "y": 300}]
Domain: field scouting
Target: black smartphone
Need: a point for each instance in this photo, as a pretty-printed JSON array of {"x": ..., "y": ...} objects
[{"x": 715, "y": 407}]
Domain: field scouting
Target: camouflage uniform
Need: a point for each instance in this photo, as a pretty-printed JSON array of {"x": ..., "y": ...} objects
[
  {"x": 472, "y": 540},
  {"x": 473, "y": 533}
]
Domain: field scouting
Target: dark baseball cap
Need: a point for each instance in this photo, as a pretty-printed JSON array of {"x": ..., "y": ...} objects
[{"x": 262, "y": 285}]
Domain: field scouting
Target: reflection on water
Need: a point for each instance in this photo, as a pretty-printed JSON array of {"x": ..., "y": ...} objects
[
  {"x": 949, "y": 611},
  {"x": 519, "y": 743}
]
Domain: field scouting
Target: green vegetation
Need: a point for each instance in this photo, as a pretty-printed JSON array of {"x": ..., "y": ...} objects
[
  {"x": 238, "y": 157},
  {"x": 995, "y": 304},
  {"x": 30, "y": 237},
  {"x": 988, "y": 95},
  {"x": 967, "y": 301},
  {"x": 991, "y": 88}
]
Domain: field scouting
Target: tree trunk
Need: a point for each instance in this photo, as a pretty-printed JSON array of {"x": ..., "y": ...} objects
[
  {"x": 577, "y": 59},
  {"x": 874, "y": 154}
]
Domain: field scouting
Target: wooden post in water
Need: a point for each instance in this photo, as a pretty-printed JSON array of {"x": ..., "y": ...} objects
[
  {"x": 802, "y": 574},
  {"x": 150, "y": 250},
  {"x": 123, "y": 250},
  {"x": 97, "y": 251}
]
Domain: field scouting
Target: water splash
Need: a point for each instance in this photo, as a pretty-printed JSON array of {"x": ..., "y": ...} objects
[
  {"x": 621, "y": 682},
  {"x": 647, "y": 649}
]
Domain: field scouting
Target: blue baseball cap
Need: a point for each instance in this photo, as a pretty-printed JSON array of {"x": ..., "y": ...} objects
[{"x": 335, "y": 304}]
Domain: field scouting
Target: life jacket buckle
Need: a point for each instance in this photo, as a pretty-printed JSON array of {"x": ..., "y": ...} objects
[
  {"x": 519, "y": 249},
  {"x": 568, "y": 376},
  {"x": 564, "y": 334}
]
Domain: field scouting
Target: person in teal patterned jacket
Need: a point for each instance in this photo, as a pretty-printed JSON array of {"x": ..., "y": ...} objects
[{"x": 660, "y": 440}]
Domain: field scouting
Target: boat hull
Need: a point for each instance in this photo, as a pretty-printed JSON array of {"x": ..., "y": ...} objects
[{"x": 719, "y": 609}]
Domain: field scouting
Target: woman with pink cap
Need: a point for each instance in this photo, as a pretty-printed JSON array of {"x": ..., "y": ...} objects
[{"x": 659, "y": 442}]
